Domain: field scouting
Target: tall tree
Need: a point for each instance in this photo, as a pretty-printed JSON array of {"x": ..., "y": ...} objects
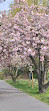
[{"x": 27, "y": 33}]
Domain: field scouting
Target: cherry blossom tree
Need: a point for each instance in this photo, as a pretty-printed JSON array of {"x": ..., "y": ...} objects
[
  {"x": 27, "y": 34},
  {"x": 15, "y": 65}
]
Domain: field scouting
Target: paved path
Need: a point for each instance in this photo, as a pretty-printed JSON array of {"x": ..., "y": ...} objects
[{"x": 11, "y": 99}]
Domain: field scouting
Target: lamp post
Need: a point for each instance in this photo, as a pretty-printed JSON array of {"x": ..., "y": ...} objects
[{"x": 2, "y": 1}]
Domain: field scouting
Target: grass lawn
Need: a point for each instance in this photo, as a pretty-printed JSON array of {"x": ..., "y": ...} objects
[{"x": 26, "y": 86}]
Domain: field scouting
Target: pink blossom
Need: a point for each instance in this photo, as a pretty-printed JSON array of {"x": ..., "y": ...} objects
[
  {"x": 4, "y": 50},
  {"x": 29, "y": 50},
  {"x": 15, "y": 27}
]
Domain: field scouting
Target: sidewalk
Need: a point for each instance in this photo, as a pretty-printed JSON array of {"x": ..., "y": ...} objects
[{"x": 11, "y": 99}]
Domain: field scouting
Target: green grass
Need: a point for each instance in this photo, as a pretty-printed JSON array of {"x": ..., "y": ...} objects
[{"x": 26, "y": 86}]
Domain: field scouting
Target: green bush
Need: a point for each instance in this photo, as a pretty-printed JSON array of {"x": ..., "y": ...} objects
[
  {"x": 1, "y": 77},
  {"x": 34, "y": 75},
  {"x": 34, "y": 72}
]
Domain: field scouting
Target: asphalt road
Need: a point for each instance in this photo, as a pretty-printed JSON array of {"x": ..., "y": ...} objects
[{"x": 11, "y": 99}]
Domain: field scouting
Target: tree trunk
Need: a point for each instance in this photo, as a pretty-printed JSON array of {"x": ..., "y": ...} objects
[
  {"x": 14, "y": 79},
  {"x": 45, "y": 77},
  {"x": 42, "y": 87},
  {"x": 41, "y": 74}
]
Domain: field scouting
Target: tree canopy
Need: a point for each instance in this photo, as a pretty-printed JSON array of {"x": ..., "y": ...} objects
[{"x": 26, "y": 33}]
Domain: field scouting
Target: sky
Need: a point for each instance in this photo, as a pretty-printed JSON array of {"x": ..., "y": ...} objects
[{"x": 5, "y": 5}]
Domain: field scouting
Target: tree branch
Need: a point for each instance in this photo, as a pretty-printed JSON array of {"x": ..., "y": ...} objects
[
  {"x": 35, "y": 64},
  {"x": 46, "y": 85}
]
